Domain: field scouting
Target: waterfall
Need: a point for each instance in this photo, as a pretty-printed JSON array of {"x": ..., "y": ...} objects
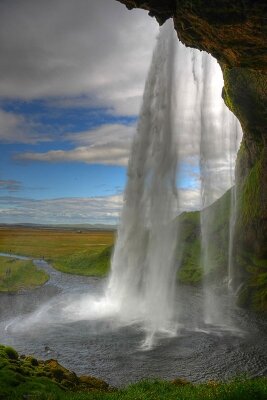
[
  {"x": 234, "y": 143},
  {"x": 183, "y": 122},
  {"x": 220, "y": 135},
  {"x": 142, "y": 280}
]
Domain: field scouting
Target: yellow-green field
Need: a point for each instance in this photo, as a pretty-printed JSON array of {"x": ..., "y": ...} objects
[
  {"x": 19, "y": 274},
  {"x": 71, "y": 251}
]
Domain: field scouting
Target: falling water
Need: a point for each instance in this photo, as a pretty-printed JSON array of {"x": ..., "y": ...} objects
[
  {"x": 219, "y": 138},
  {"x": 234, "y": 142},
  {"x": 142, "y": 281}
]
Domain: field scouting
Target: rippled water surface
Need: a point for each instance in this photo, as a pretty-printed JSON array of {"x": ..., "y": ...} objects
[{"x": 56, "y": 321}]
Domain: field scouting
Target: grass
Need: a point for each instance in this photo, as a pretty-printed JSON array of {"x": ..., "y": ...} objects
[
  {"x": 78, "y": 252},
  {"x": 88, "y": 262},
  {"x": 250, "y": 204},
  {"x": 190, "y": 271},
  {"x": 19, "y": 274},
  {"x": 27, "y": 378},
  {"x": 157, "y": 390}
]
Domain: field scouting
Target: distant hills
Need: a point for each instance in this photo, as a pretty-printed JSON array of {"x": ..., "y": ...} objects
[{"x": 80, "y": 227}]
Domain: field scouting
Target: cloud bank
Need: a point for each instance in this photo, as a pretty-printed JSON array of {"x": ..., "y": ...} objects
[
  {"x": 63, "y": 49},
  {"x": 16, "y": 128},
  {"x": 67, "y": 210},
  {"x": 101, "y": 209},
  {"x": 108, "y": 144}
]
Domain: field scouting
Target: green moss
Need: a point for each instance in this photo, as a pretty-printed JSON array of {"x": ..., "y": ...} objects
[
  {"x": 259, "y": 262},
  {"x": 249, "y": 198},
  {"x": 25, "y": 377},
  {"x": 254, "y": 291},
  {"x": 23, "y": 383},
  {"x": 11, "y": 353},
  {"x": 245, "y": 94}
]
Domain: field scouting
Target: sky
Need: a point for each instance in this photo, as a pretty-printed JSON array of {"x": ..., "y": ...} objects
[{"x": 72, "y": 74}]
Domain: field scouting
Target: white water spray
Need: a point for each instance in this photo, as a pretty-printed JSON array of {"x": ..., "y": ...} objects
[
  {"x": 234, "y": 143},
  {"x": 220, "y": 136},
  {"x": 142, "y": 281}
]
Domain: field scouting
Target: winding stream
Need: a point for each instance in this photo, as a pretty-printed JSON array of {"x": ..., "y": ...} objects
[{"x": 47, "y": 322}]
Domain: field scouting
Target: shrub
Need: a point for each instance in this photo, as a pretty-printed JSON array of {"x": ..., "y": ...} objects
[{"x": 11, "y": 353}]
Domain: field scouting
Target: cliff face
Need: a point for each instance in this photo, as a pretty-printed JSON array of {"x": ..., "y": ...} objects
[{"x": 235, "y": 32}]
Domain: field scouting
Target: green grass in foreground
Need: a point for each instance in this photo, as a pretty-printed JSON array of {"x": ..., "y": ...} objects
[
  {"x": 43, "y": 389},
  {"x": 27, "y": 378},
  {"x": 19, "y": 274}
]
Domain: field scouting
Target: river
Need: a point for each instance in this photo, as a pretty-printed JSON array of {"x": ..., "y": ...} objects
[{"x": 47, "y": 322}]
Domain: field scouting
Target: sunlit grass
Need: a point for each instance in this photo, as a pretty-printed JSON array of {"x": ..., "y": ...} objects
[
  {"x": 19, "y": 274},
  {"x": 84, "y": 253}
]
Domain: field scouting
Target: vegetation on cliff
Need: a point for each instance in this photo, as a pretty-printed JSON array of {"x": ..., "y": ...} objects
[
  {"x": 190, "y": 271},
  {"x": 250, "y": 270},
  {"x": 25, "y": 377}
]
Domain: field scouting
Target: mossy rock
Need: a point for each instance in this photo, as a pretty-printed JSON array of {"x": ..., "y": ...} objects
[
  {"x": 32, "y": 361},
  {"x": 11, "y": 353},
  {"x": 91, "y": 383},
  {"x": 28, "y": 372},
  {"x": 60, "y": 373},
  {"x": 181, "y": 382}
]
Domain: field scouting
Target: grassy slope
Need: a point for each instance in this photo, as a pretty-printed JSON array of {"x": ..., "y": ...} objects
[
  {"x": 19, "y": 274},
  {"x": 249, "y": 269},
  {"x": 190, "y": 271},
  {"x": 28, "y": 378},
  {"x": 84, "y": 253}
]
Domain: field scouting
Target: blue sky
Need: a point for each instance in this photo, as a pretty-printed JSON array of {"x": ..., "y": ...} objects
[
  {"x": 72, "y": 74},
  {"x": 71, "y": 82},
  {"x": 56, "y": 129}
]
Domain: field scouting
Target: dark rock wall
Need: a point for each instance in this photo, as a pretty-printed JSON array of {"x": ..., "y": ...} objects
[{"x": 235, "y": 32}]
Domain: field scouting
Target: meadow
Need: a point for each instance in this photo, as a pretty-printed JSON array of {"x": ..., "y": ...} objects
[
  {"x": 19, "y": 275},
  {"x": 72, "y": 251}
]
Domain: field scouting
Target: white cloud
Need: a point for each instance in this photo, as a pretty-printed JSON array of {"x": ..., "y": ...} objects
[
  {"x": 189, "y": 200},
  {"x": 69, "y": 48},
  {"x": 66, "y": 210},
  {"x": 108, "y": 144},
  {"x": 101, "y": 209},
  {"x": 16, "y": 129}
]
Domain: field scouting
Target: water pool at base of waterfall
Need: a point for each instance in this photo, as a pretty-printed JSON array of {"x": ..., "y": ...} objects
[{"x": 103, "y": 348}]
